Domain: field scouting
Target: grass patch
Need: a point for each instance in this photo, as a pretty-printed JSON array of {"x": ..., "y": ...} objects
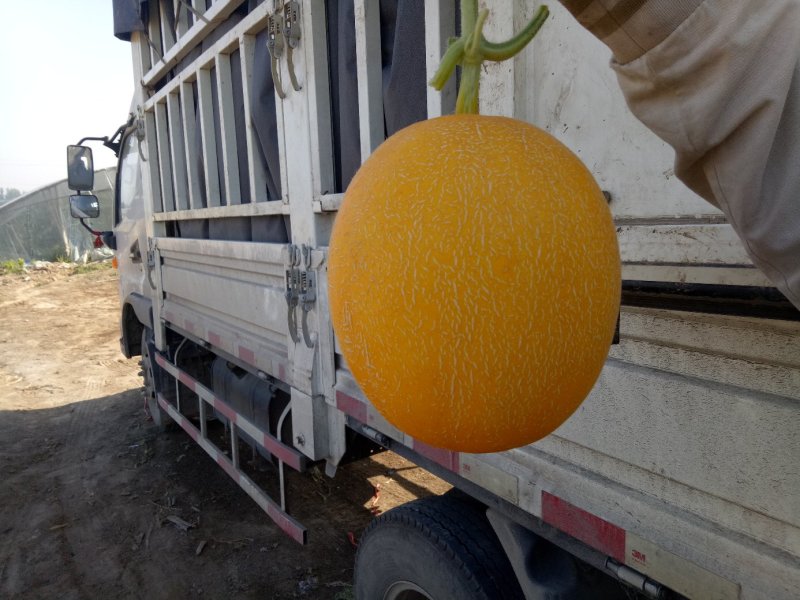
[
  {"x": 345, "y": 594},
  {"x": 91, "y": 267},
  {"x": 12, "y": 266}
]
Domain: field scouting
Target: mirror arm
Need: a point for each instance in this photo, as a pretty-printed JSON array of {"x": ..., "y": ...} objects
[
  {"x": 89, "y": 229},
  {"x": 107, "y": 142},
  {"x": 113, "y": 143}
]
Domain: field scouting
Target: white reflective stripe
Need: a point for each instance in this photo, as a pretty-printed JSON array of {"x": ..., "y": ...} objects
[{"x": 681, "y": 575}]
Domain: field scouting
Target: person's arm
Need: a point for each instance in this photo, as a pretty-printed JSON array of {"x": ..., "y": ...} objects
[{"x": 720, "y": 82}]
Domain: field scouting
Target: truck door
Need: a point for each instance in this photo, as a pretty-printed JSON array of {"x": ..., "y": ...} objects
[{"x": 129, "y": 224}]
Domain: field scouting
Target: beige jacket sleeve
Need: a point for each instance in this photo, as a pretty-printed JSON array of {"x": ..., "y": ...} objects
[{"x": 720, "y": 82}]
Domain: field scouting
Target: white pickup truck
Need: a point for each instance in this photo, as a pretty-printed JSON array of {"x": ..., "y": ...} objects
[{"x": 680, "y": 473}]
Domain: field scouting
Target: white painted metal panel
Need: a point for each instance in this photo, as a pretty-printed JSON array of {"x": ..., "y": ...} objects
[
  {"x": 579, "y": 101},
  {"x": 716, "y": 438},
  {"x": 240, "y": 283}
]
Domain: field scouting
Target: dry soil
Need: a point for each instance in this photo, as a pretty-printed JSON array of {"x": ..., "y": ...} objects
[{"x": 88, "y": 485}]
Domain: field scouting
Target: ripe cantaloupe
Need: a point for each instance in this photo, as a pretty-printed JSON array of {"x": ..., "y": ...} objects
[{"x": 474, "y": 282}]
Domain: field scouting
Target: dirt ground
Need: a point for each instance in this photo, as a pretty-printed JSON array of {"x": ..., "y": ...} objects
[{"x": 87, "y": 484}]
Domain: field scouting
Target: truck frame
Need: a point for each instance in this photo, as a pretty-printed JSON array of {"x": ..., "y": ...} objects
[{"x": 678, "y": 475}]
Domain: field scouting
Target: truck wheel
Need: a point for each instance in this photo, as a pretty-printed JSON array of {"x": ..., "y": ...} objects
[
  {"x": 437, "y": 548},
  {"x": 161, "y": 419}
]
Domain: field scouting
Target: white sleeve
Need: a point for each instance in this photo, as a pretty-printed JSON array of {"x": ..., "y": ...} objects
[{"x": 720, "y": 82}]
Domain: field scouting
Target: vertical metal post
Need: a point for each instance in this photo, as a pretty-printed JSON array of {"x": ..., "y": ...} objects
[
  {"x": 177, "y": 148},
  {"x": 227, "y": 127},
  {"x": 202, "y": 411},
  {"x": 188, "y": 115},
  {"x": 208, "y": 135},
  {"x": 440, "y": 21},
  {"x": 164, "y": 160},
  {"x": 255, "y": 167},
  {"x": 370, "y": 75},
  {"x": 234, "y": 445}
]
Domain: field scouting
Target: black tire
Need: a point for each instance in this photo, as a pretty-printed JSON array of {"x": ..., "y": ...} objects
[
  {"x": 161, "y": 420},
  {"x": 438, "y": 548}
]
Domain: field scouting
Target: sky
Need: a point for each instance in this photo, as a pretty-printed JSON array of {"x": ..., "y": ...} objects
[{"x": 63, "y": 76}]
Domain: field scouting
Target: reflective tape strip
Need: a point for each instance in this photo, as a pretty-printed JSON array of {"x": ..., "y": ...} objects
[
  {"x": 288, "y": 455},
  {"x": 366, "y": 414},
  {"x": 287, "y": 523},
  {"x": 186, "y": 380},
  {"x": 647, "y": 558},
  {"x": 446, "y": 458},
  {"x": 247, "y": 355},
  {"x": 351, "y": 406},
  {"x": 189, "y": 325},
  {"x": 584, "y": 526}
]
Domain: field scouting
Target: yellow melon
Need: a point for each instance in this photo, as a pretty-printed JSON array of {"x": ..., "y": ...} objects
[{"x": 474, "y": 282}]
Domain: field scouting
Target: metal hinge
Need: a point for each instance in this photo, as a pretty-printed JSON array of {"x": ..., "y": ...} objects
[{"x": 301, "y": 291}]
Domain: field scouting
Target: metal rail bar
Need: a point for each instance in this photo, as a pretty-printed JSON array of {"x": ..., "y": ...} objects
[{"x": 287, "y": 523}]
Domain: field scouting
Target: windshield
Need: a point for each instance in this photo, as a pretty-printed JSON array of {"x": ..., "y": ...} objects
[{"x": 130, "y": 202}]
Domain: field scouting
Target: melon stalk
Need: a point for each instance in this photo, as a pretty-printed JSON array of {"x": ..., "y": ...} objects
[{"x": 472, "y": 49}]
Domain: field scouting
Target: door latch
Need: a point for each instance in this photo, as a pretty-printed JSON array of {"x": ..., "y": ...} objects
[
  {"x": 291, "y": 32},
  {"x": 275, "y": 45},
  {"x": 301, "y": 291}
]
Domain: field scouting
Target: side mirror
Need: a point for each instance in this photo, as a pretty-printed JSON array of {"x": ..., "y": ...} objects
[
  {"x": 84, "y": 206},
  {"x": 80, "y": 168}
]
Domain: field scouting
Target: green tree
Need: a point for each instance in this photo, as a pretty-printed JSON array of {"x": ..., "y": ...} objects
[{"x": 7, "y": 194}]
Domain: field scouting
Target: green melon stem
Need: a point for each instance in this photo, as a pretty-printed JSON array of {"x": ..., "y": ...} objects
[{"x": 472, "y": 49}]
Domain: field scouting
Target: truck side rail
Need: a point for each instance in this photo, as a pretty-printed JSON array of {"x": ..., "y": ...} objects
[{"x": 235, "y": 421}]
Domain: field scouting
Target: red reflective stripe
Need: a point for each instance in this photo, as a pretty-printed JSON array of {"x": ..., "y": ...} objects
[
  {"x": 229, "y": 413},
  {"x": 588, "y": 528},
  {"x": 247, "y": 355},
  {"x": 283, "y": 452},
  {"x": 188, "y": 325},
  {"x": 351, "y": 406},
  {"x": 214, "y": 338},
  {"x": 448, "y": 459},
  {"x": 282, "y": 520},
  {"x": 187, "y": 380}
]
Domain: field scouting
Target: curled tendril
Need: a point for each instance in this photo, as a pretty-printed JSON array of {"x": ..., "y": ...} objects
[{"x": 471, "y": 49}]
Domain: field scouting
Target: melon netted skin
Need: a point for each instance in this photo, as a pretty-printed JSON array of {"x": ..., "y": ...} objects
[{"x": 474, "y": 282}]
